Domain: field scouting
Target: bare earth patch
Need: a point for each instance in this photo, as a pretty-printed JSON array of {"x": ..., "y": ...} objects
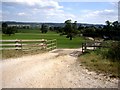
[{"x": 54, "y": 69}]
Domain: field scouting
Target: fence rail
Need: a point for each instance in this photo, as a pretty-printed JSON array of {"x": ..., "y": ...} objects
[
  {"x": 51, "y": 44},
  {"x": 93, "y": 45},
  {"x": 28, "y": 44}
]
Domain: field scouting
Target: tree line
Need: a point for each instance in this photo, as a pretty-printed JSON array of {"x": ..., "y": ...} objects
[{"x": 109, "y": 31}]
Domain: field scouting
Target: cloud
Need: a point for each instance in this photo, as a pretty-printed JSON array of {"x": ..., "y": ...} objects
[
  {"x": 114, "y": 4},
  {"x": 105, "y": 12},
  {"x": 45, "y": 11},
  {"x": 52, "y": 15},
  {"x": 52, "y": 11},
  {"x": 22, "y": 14},
  {"x": 39, "y": 3},
  {"x": 98, "y": 16},
  {"x": 39, "y": 10}
]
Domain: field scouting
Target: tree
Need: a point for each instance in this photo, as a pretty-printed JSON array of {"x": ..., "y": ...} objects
[
  {"x": 68, "y": 29},
  {"x": 58, "y": 29},
  {"x": 89, "y": 31},
  {"x": 81, "y": 28},
  {"x": 44, "y": 28},
  {"x": 8, "y": 30},
  {"x": 107, "y": 29},
  {"x": 75, "y": 25},
  {"x": 108, "y": 23},
  {"x": 51, "y": 28},
  {"x": 4, "y": 27},
  {"x": 116, "y": 25},
  {"x": 116, "y": 30},
  {"x": 75, "y": 28}
]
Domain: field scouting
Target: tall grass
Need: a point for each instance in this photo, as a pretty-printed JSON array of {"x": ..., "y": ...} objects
[
  {"x": 18, "y": 53},
  {"x": 104, "y": 60},
  {"x": 112, "y": 52},
  {"x": 97, "y": 63}
]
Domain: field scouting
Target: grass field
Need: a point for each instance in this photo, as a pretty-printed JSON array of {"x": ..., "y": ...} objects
[{"x": 62, "y": 41}]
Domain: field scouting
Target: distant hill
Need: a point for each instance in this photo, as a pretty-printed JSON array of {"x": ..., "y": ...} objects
[{"x": 34, "y": 24}]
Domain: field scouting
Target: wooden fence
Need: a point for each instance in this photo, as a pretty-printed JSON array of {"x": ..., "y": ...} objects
[
  {"x": 28, "y": 44},
  {"x": 93, "y": 45}
]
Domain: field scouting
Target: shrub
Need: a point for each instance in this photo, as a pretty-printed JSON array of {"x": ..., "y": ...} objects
[{"x": 114, "y": 51}]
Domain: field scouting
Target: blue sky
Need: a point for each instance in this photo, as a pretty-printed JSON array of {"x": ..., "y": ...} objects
[{"x": 54, "y": 11}]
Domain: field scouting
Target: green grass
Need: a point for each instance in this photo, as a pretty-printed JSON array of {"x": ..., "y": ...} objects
[
  {"x": 94, "y": 62},
  {"x": 37, "y": 30},
  {"x": 28, "y": 30},
  {"x": 62, "y": 41}
]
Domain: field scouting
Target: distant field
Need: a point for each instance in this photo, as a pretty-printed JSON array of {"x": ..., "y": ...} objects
[{"x": 62, "y": 41}]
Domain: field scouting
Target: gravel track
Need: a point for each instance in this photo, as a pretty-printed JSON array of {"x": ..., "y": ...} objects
[{"x": 55, "y": 69}]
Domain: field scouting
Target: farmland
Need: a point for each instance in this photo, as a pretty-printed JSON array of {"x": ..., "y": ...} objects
[
  {"x": 30, "y": 34},
  {"x": 62, "y": 41}
]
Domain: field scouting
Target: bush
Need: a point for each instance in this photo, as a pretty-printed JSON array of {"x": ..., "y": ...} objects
[
  {"x": 114, "y": 51},
  {"x": 103, "y": 52}
]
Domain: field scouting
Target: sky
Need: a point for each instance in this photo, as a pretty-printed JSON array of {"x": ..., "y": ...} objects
[{"x": 56, "y": 11}]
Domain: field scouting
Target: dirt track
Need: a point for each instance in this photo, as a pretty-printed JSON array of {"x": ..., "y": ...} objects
[{"x": 56, "y": 69}]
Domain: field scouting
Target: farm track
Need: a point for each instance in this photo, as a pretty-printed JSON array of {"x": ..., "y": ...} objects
[{"x": 55, "y": 69}]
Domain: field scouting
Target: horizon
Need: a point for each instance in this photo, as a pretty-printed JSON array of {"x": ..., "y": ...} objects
[
  {"x": 47, "y": 22},
  {"x": 52, "y": 11}
]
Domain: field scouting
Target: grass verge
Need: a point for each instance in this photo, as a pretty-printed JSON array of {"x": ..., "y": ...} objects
[
  {"x": 94, "y": 62},
  {"x": 5, "y": 54}
]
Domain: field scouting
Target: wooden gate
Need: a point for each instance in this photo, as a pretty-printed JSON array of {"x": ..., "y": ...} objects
[{"x": 28, "y": 44}]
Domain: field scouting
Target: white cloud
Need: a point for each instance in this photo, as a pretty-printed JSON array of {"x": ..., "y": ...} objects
[
  {"x": 71, "y": 0},
  {"x": 51, "y": 11},
  {"x": 22, "y": 14},
  {"x": 38, "y": 10},
  {"x": 98, "y": 16},
  {"x": 52, "y": 15},
  {"x": 40, "y": 3},
  {"x": 105, "y": 12},
  {"x": 45, "y": 11}
]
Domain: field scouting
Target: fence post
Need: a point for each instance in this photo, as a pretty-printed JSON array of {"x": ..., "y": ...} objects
[
  {"x": 82, "y": 47},
  {"x": 94, "y": 45},
  {"x": 21, "y": 45},
  {"x": 16, "y": 46},
  {"x": 85, "y": 46},
  {"x": 56, "y": 43},
  {"x": 42, "y": 44},
  {"x": 45, "y": 44},
  {"x": 51, "y": 45}
]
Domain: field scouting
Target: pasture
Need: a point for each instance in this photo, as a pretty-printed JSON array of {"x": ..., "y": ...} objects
[
  {"x": 62, "y": 41},
  {"x": 35, "y": 34}
]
